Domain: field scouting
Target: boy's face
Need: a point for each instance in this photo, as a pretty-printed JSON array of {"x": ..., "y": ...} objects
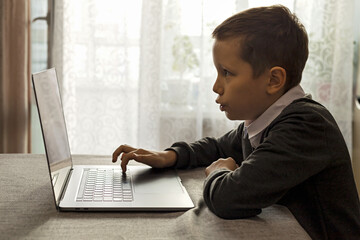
[{"x": 240, "y": 95}]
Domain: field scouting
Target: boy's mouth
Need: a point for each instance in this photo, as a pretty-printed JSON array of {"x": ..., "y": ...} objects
[{"x": 222, "y": 107}]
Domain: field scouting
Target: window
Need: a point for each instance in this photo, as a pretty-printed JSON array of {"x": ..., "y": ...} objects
[
  {"x": 141, "y": 72},
  {"x": 39, "y": 62}
]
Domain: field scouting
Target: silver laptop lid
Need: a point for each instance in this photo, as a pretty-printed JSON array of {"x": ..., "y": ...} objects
[{"x": 52, "y": 121}]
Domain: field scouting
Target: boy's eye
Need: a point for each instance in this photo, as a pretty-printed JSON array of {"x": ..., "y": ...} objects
[{"x": 226, "y": 73}]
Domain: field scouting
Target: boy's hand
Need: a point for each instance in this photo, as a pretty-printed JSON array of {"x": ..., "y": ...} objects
[
  {"x": 156, "y": 159},
  {"x": 227, "y": 163}
]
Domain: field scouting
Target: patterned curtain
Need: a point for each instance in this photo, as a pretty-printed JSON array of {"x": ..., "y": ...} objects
[
  {"x": 141, "y": 72},
  {"x": 328, "y": 74},
  {"x": 138, "y": 72}
]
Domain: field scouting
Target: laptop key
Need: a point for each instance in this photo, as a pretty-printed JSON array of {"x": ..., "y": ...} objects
[{"x": 106, "y": 185}]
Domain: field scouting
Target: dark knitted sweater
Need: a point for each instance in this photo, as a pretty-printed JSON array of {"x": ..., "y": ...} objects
[{"x": 302, "y": 162}]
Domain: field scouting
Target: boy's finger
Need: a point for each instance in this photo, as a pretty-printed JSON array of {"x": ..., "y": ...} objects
[
  {"x": 124, "y": 163},
  {"x": 115, "y": 155},
  {"x": 125, "y": 158},
  {"x": 123, "y": 148},
  {"x": 123, "y": 166}
]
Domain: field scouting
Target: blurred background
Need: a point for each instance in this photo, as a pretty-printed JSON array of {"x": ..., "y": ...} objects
[{"x": 140, "y": 72}]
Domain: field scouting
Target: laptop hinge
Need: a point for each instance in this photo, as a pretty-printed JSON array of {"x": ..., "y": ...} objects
[{"x": 66, "y": 185}]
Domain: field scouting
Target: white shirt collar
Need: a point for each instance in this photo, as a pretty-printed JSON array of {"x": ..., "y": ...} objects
[{"x": 254, "y": 128}]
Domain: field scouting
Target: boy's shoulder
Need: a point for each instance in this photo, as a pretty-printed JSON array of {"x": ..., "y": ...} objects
[
  {"x": 309, "y": 114},
  {"x": 306, "y": 102},
  {"x": 306, "y": 108},
  {"x": 305, "y": 123}
]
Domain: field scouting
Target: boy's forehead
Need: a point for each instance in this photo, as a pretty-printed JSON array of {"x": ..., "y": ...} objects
[{"x": 233, "y": 44}]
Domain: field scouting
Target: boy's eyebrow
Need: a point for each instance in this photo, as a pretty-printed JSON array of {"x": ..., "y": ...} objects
[{"x": 230, "y": 68}]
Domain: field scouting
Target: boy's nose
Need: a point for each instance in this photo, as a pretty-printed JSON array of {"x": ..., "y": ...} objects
[{"x": 217, "y": 87}]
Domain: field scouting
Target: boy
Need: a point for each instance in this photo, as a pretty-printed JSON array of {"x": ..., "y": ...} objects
[{"x": 289, "y": 150}]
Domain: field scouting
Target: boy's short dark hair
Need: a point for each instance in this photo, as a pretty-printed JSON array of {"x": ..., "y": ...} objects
[{"x": 269, "y": 36}]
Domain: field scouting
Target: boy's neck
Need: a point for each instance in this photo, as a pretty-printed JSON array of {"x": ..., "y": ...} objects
[
  {"x": 254, "y": 127},
  {"x": 272, "y": 99}
]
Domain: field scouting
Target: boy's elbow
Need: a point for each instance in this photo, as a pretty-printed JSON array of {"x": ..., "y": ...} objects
[
  {"x": 231, "y": 211},
  {"x": 224, "y": 203},
  {"x": 236, "y": 213}
]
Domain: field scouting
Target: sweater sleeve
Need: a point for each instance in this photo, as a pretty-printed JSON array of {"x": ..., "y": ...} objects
[
  {"x": 207, "y": 150},
  {"x": 294, "y": 148}
]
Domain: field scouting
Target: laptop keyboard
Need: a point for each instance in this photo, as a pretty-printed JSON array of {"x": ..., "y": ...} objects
[{"x": 104, "y": 185}]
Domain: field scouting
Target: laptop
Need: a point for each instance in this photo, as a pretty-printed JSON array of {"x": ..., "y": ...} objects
[{"x": 98, "y": 187}]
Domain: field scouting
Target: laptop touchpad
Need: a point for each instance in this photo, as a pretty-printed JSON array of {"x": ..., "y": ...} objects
[{"x": 156, "y": 181}]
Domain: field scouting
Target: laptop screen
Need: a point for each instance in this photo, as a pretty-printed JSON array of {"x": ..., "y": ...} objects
[{"x": 53, "y": 127}]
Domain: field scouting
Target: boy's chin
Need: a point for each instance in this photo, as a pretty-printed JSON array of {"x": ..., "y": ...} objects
[{"x": 231, "y": 117}]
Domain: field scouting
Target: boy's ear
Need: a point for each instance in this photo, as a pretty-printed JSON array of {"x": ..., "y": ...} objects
[{"x": 277, "y": 80}]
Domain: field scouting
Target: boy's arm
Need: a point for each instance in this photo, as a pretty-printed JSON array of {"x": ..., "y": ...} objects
[
  {"x": 207, "y": 150},
  {"x": 183, "y": 155},
  {"x": 292, "y": 152},
  {"x": 156, "y": 159}
]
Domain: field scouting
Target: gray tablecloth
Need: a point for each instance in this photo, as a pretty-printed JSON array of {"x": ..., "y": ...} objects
[{"x": 27, "y": 211}]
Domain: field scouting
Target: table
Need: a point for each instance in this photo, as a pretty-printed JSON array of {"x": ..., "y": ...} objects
[{"x": 27, "y": 211}]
